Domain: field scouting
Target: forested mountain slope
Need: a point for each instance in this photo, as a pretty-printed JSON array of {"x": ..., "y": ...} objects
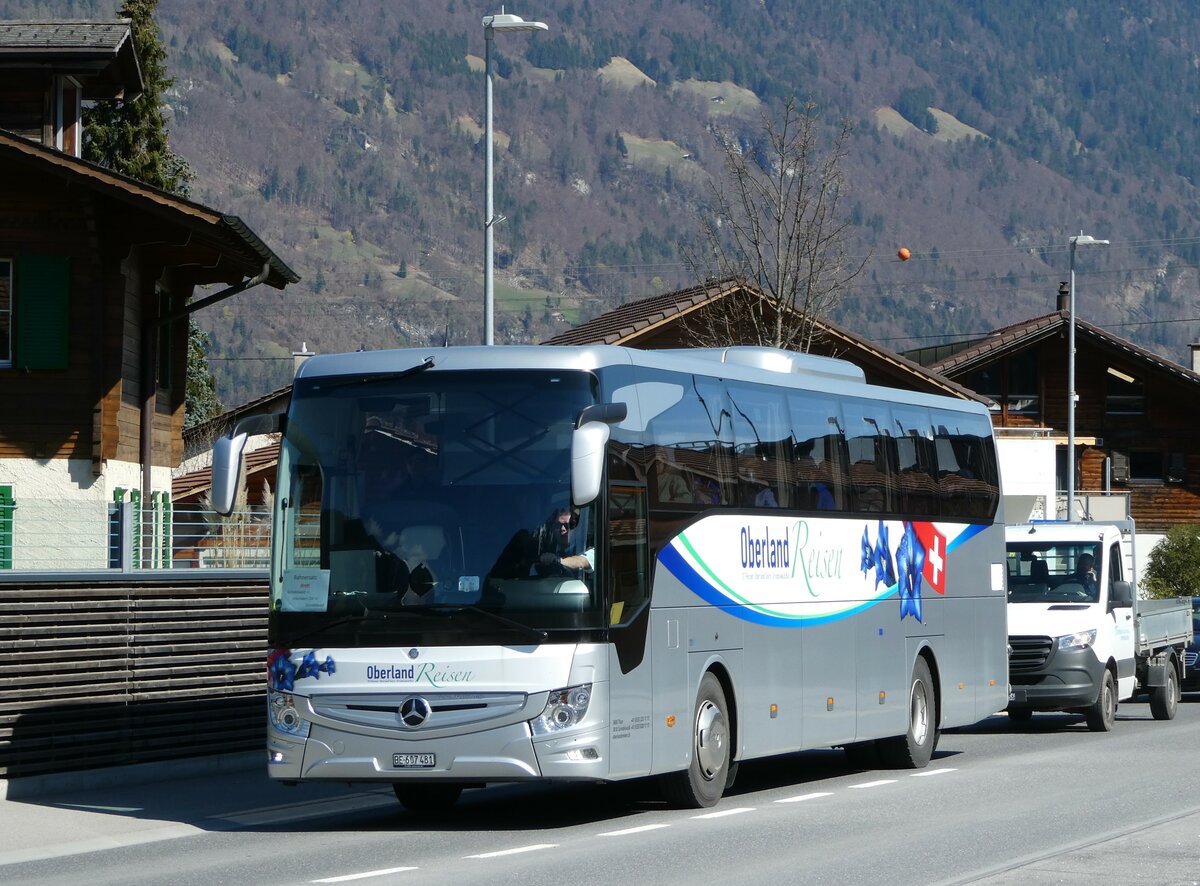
[{"x": 348, "y": 135}]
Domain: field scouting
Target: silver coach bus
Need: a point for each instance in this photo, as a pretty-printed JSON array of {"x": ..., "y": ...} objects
[{"x": 595, "y": 563}]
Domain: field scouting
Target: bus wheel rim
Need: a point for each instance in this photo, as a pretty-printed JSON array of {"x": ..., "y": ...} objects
[{"x": 710, "y": 740}]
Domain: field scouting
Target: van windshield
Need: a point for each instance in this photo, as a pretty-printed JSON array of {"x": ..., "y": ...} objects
[{"x": 1047, "y": 572}]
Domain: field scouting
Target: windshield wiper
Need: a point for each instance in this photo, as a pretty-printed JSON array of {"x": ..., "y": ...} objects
[
  {"x": 358, "y": 378},
  {"x": 496, "y": 617},
  {"x": 329, "y": 626}
]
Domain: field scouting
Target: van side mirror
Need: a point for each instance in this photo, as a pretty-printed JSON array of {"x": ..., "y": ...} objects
[
  {"x": 1121, "y": 595},
  {"x": 227, "y": 458}
]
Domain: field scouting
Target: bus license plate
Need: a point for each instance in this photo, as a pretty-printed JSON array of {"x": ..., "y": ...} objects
[{"x": 414, "y": 761}]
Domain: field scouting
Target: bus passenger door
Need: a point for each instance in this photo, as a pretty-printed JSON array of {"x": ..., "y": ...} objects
[{"x": 627, "y": 580}]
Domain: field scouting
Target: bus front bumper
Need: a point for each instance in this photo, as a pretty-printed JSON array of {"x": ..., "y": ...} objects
[{"x": 507, "y": 753}]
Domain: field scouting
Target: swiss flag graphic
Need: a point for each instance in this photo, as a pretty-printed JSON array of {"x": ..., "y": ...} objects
[{"x": 934, "y": 543}]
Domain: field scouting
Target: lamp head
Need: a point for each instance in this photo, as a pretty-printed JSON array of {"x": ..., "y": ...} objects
[{"x": 506, "y": 21}]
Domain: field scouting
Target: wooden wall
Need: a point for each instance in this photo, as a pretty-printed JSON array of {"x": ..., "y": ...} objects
[{"x": 116, "y": 670}]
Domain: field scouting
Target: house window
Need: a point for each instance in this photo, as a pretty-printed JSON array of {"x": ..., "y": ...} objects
[
  {"x": 1124, "y": 394},
  {"x": 1024, "y": 382},
  {"x": 1146, "y": 466},
  {"x": 6, "y": 301}
]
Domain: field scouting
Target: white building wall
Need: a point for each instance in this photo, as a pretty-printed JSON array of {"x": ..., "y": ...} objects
[
  {"x": 61, "y": 519},
  {"x": 1027, "y": 478}
]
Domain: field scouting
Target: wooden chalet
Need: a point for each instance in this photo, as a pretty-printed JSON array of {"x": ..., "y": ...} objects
[
  {"x": 97, "y": 276},
  {"x": 1135, "y": 417},
  {"x": 662, "y": 321}
]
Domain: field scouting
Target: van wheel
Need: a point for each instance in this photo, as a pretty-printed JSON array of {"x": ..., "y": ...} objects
[
  {"x": 1103, "y": 713},
  {"x": 703, "y": 782},
  {"x": 914, "y": 749},
  {"x": 1164, "y": 700}
]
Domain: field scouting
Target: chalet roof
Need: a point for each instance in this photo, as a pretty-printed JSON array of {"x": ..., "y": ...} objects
[
  {"x": 633, "y": 320},
  {"x": 199, "y": 437},
  {"x": 1020, "y": 335},
  {"x": 219, "y": 247},
  {"x": 190, "y": 487},
  {"x": 100, "y": 54}
]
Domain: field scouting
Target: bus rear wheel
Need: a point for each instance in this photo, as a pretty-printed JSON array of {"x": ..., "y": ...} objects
[
  {"x": 427, "y": 797},
  {"x": 704, "y": 781},
  {"x": 914, "y": 749}
]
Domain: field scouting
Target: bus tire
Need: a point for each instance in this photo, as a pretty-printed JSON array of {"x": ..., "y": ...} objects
[
  {"x": 1102, "y": 713},
  {"x": 1164, "y": 700},
  {"x": 427, "y": 797},
  {"x": 703, "y": 782},
  {"x": 914, "y": 748}
]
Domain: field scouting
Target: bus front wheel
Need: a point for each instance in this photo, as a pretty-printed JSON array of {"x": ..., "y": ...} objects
[
  {"x": 914, "y": 749},
  {"x": 705, "y": 779}
]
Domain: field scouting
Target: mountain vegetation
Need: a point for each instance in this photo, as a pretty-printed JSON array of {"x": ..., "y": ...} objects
[{"x": 349, "y": 136}]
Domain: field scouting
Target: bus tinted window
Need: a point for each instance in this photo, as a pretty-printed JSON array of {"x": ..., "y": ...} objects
[
  {"x": 916, "y": 467},
  {"x": 693, "y": 447},
  {"x": 762, "y": 446},
  {"x": 966, "y": 459},
  {"x": 818, "y": 471},
  {"x": 867, "y": 444}
]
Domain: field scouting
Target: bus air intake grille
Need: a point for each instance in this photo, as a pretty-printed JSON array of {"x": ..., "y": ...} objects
[
  {"x": 446, "y": 710},
  {"x": 1028, "y": 653}
]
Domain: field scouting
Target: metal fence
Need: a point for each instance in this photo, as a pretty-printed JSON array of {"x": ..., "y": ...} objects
[{"x": 48, "y": 535}]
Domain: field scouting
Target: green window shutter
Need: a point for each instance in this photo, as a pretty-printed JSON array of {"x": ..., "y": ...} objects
[
  {"x": 6, "y": 527},
  {"x": 43, "y": 311}
]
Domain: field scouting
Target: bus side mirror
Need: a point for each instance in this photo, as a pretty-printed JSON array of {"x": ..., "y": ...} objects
[
  {"x": 226, "y": 468},
  {"x": 1121, "y": 595},
  {"x": 227, "y": 458},
  {"x": 587, "y": 461}
]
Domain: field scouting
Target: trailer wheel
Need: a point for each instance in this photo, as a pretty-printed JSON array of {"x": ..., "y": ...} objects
[
  {"x": 1103, "y": 712},
  {"x": 1164, "y": 700},
  {"x": 914, "y": 749},
  {"x": 427, "y": 797},
  {"x": 705, "y": 779}
]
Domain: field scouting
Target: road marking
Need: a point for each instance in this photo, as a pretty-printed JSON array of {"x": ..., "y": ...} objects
[
  {"x": 533, "y": 848},
  {"x": 637, "y": 830},
  {"x": 725, "y": 812},
  {"x": 931, "y": 772},
  {"x": 348, "y": 877},
  {"x": 804, "y": 797},
  {"x": 874, "y": 784}
]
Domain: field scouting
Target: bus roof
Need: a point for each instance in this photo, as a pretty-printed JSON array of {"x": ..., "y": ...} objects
[{"x": 744, "y": 363}]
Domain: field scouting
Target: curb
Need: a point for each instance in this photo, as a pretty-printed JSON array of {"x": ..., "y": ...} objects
[{"x": 134, "y": 774}]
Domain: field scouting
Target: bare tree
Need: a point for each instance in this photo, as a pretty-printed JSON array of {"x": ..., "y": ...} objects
[{"x": 774, "y": 227}]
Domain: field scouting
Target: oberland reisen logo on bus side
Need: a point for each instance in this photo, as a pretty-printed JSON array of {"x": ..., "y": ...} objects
[
  {"x": 792, "y": 572},
  {"x": 427, "y": 673}
]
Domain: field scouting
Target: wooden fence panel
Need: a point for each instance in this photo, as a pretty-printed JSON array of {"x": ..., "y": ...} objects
[{"x": 114, "y": 670}]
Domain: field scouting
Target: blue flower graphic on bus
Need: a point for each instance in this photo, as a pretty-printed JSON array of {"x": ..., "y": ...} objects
[
  {"x": 910, "y": 558},
  {"x": 878, "y": 556},
  {"x": 283, "y": 674}
]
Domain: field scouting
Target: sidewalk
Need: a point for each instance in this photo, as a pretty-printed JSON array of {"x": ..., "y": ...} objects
[{"x": 73, "y": 813}]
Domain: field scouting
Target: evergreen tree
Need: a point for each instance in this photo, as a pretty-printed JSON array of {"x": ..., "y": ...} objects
[
  {"x": 131, "y": 138},
  {"x": 201, "y": 403}
]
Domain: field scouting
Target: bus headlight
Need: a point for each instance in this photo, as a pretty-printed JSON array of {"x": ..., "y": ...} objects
[
  {"x": 1079, "y": 639},
  {"x": 564, "y": 708},
  {"x": 285, "y": 716}
]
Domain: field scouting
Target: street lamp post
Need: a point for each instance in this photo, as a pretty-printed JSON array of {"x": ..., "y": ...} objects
[
  {"x": 504, "y": 22},
  {"x": 1081, "y": 240}
]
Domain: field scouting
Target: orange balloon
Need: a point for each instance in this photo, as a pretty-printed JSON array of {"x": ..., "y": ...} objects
[{"x": 904, "y": 254}]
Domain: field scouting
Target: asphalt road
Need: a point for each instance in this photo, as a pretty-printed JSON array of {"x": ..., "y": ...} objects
[{"x": 1047, "y": 802}]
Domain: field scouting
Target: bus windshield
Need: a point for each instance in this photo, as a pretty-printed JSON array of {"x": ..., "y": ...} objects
[{"x": 433, "y": 507}]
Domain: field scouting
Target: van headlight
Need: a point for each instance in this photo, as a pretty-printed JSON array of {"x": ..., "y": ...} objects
[
  {"x": 564, "y": 708},
  {"x": 285, "y": 715},
  {"x": 1078, "y": 640}
]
